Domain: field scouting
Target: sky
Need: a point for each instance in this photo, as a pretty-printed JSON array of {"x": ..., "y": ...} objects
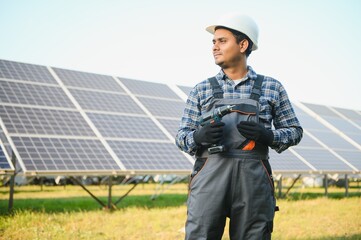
[{"x": 311, "y": 46}]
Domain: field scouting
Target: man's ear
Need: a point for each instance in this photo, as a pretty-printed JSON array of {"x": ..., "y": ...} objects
[{"x": 243, "y": 45}]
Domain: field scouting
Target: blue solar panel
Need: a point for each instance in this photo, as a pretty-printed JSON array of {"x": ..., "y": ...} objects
[
  {"x": 110, "y": 102},
  {"x": 121, "y": 126},
  {"x": 150, "y": 156},
  {"x": 63, "y": 128},
  {"x": 353, "y": 157},
  {"x": 25, "y": 120},
  {"x": 331, "y": 139},
  {"x": 33, "y": 94},
  {"x": 185, "y": 89},
  {"x": 287, "y": 162},
  {"x": 172, "y": 126},
  {"x": 350, "y": 114},
  {"x": 25, "y": 72},
  {"x": 4, "y": 162},
  {"x": 345, "y": 126},
  {"x": 163, "y": 108},
  {"x": 87, "y": 80},
  {"x": 144, "y": 88},
  {"x": 91, "y": 124},
  {"x": 323, "y": 160},
  {"x": 63, "y": 155}
]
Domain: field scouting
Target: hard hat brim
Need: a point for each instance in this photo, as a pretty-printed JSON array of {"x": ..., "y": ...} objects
[{"x": 211, "y": 29}]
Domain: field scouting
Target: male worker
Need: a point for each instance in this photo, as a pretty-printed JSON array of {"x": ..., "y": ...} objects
[{"x": 227, "y": 125}]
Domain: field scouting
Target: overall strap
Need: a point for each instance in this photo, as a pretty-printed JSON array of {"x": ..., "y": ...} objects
[
  {"x": 216, "y": 88},
  {"x": 256, "y": 90}
]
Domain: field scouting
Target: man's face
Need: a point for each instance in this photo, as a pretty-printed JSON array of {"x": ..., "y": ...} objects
[{"x": 226, "y": 51}]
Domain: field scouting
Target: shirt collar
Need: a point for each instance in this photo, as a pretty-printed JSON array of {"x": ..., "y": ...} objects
[{"x": 251, "y": 74}]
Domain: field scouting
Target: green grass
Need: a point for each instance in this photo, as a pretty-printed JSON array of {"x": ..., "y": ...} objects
[{"x": 70, "y": 213}]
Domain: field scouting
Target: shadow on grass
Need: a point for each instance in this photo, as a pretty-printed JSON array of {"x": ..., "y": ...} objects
[
  {"x": 351, "y": 237},
  {"x": 78, "y": 204},
  {"x": 308, "y": 196}
]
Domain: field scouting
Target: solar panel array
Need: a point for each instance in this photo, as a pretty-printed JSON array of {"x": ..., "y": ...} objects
[
  {"x": 6, "y": 166},
  {"x": 323, "y": 148},
  {"x": 69, "y": 122},
  {"x": 59, "y": 121}
]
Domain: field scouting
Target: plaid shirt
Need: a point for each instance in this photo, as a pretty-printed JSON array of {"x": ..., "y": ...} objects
[{"x": 274, "y": 103}]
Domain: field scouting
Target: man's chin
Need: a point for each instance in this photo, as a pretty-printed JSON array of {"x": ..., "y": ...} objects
[{"x": 219, "y": 63}]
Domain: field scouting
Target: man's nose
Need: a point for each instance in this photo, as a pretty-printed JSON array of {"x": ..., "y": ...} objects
[{"x": 215, "y": 47}]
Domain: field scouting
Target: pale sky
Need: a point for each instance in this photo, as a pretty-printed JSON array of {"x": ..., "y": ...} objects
[{"x": 311, "y": 46}]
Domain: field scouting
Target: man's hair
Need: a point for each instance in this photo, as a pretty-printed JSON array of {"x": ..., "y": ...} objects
[{"x": 239, "y": 37}]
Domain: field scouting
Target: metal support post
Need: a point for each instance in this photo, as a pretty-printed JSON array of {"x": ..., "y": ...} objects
[
  {"x": 280, "y": 187},
  {"x": 12, "y": 185},
  {"x": 326, "y": 185},
  {"x": 346, "y": 185},
  {"x": 110, "y": 192}
]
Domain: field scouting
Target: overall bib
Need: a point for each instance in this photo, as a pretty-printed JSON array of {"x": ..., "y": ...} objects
[{"x": 236, "y": 183}]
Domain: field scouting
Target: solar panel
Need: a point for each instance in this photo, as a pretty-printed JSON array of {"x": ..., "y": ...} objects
[
  {"x": 5, "y": 143},
  {"x": 287, "y": 162},
  {"x": 163, "y": 108},
  {"x": 121, "y": 126},
  {"x": 185, "y": 89},
  {"x": 332, "y": 140},
  {"x": 104, "y": 101},
  {"x": 353, "y": 157},
  {"x": 323, "y": 160},
  {"x": 171, "y": 125},
  {"x": 87, "y": 80},
  {"x": 61, "y": 121},
  {"x": 33, "y": 94},
  {"x": 150, "y": 155},
  {"x": 25, "y": 72},
  {"x": 26, "y": 120},
  {"x": 65, "y": 126},
  {"x": 5, "y": 165},
  {"x": 351, "y": 114},
  {"x": 345, "y": 126},
  {"x": 62, "y": 155},
  {"x": 144, "y": 88}
]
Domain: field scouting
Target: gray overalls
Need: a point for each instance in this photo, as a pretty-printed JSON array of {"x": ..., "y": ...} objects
[{"x": 236, "y": 183}]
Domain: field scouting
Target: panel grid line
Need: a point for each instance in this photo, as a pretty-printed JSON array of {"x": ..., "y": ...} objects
[{"x": 97, "y": 133}]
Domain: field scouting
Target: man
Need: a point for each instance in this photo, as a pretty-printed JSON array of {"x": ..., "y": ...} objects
[{"x": 231, "y": 176}]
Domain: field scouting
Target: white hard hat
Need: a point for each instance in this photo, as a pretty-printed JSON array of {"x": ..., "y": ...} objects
[{"x": 240, "y": 23}]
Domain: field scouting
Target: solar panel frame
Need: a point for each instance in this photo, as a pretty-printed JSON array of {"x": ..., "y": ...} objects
[
  {"x": 350, "y": 114},
  {"x": 106, "y": 103},
  {"x": 122, "y": 126},
  {"x": 148, "y": 157},
  {"x": 171, "y": 125},
  {"x": 86, "y": 99},
  {"x": 25, "y": 71},
  {"x": 185, "y": 89},
  {"x": 163, "y": 108},
  {"x": 33, "y": 94},
  {"x": 6, "y": 166},
  {"x": 317, "y": 157},
  {"x": 62, "y": 155},
  {"x": 287, "y": 162},
  {"x": 151, "y": 89},
  {"x": 29, "y": 120},
  {"x": 86, "y": 80}
]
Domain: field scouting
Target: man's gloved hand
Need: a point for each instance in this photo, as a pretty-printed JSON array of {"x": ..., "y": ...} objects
[
  {"x": 211, "y": 133},
  {"x": 255, "y": 131}
]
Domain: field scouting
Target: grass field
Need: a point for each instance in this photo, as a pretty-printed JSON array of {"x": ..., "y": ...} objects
[{"x": 58, "y": 212}]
